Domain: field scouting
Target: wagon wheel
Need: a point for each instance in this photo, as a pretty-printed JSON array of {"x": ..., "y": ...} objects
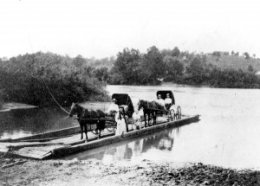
[
  {"x": 95, "y": 133},
  {"x": 111, "y": 128}
]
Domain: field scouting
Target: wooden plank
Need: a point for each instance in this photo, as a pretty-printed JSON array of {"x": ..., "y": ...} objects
[{"x": 35, "y": 152}]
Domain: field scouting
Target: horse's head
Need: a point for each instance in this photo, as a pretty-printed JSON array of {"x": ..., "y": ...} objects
[
  {"x": 140, "y": 104},
  {"x": 74, "y": 109}
]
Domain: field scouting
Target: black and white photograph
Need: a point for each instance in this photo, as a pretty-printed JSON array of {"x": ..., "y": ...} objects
[{"x": 129, "y": 92}]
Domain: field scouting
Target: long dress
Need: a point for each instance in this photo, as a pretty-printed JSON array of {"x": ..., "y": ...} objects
[{"x": 121, "y": 125}]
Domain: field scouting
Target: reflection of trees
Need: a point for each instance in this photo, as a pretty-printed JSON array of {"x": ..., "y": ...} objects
[{"x": 32, "y": 121}]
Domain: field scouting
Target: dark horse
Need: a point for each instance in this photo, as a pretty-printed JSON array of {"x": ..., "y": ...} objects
[
  {"x": 87, "y": 118},
  {"x": 150, "y": 109}
]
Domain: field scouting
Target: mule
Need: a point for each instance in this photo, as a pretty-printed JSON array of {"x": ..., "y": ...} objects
[
  {"x": 87, "y": 118},
  {"x": 150, "y": 109}
]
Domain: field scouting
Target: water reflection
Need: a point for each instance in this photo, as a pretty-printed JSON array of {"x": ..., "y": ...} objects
[
  {"x": 164, "y": 141},
  {"x": 24, "y": 122}
]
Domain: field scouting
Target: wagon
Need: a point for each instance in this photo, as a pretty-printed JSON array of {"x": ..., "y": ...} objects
[
  {"x": 124, "y": 101},
  {"x": 174, "y": 112},
  {"x": 163, "y": 93}
]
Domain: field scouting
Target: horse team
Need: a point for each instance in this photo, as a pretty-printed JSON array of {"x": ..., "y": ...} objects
[{"x": 121, "y": 109}]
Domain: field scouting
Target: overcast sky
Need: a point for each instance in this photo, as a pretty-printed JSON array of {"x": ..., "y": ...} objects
[{"x": 102, "y": 28}]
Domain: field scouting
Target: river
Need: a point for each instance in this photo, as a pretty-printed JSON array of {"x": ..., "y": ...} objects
[{"x": 228, "y": 133}]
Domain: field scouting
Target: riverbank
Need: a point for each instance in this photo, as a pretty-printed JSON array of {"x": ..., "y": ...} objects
[{"x": 92, "y": 172}]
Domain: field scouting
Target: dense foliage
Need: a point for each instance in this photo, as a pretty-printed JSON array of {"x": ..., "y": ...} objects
[
  {"x": 32, "y": 78},
  {"x": 154, "y": 67}
]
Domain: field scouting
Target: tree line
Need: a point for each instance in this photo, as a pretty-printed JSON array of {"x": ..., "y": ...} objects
[
  {"x": 155, "y": 66},
  {"x": 31, "y": 78}
]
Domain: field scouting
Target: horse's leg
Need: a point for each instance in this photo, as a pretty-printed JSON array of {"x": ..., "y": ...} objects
[
  {"x": 154, "y": 117},
  {"x": 81, "y": 130},
  {"x": 145, "y": 123},
  {"x": 99, "y": 128},
  {"x": 102, "y": 126},
  {"x": 86, "y": 132},
  {"x": 149, "y": 118},
  {"x": 99, "y": 133}
]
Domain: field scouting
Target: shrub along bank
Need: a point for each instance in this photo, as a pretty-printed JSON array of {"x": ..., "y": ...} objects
[{"x": 32, "y": 78}]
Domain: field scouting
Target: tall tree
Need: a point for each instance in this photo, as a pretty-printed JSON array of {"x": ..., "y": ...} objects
[
  {"x": 247, "y": 56},
  {"x": 196, "y": 70},
  {"x": 126, "y": 66},
  {"x": 176, "y": 52},
  {"x": 174, "y": 68},
  {"x": 79, "y": 61},
  {"x": 153, "y": 66}
]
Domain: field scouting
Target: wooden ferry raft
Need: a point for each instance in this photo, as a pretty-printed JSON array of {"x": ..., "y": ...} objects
[{"x": 65, "y": 142}]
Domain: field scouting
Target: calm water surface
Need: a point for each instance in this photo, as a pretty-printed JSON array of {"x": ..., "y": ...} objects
[{"x": 228, "y": 133}]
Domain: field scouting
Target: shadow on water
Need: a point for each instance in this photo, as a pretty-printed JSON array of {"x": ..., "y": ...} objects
[{"x": 24, "y": 122}]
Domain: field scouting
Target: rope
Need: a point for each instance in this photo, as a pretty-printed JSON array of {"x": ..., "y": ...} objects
[
  {"x": 62, "y": 108},
  {"x": 49, "y": 91}
]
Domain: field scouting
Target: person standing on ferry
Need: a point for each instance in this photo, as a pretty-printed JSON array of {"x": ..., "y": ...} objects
[
  {"x": 168, "y": 101},
  {"x": 113, "y": 108}
]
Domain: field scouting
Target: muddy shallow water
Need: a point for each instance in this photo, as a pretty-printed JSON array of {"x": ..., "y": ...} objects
[{"x": 228, "y": 133}]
